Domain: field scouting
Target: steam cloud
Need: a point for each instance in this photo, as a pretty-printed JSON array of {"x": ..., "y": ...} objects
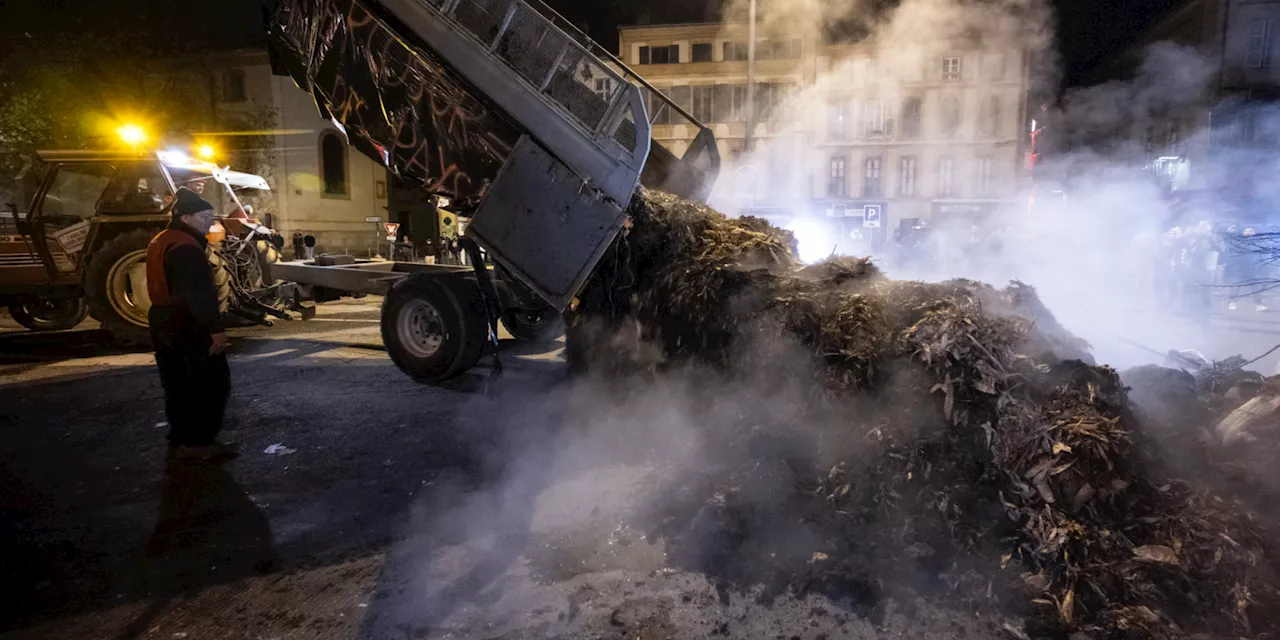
[{"x": 1093, "y": 244}]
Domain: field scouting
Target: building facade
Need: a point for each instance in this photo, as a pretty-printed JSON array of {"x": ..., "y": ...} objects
[
  {"x": 866, "y": 136},
  {"x": 320, "y": 185},
  {"x": 1223, "y": 129}
]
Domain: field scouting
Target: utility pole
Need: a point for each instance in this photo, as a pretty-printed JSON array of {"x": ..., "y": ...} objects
[{"x": 751, "y": 75}]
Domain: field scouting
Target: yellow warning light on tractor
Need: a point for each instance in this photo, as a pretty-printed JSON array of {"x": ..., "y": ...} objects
[
  {"x": 131, "y": 134},
  {"x": 206, "y": 152}
]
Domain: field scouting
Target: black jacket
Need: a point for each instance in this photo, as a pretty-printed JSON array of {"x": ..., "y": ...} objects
[{"x": 192, "y": 315}]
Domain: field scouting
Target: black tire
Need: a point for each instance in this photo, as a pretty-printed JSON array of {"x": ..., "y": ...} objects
[
  {"x": 111, "y": 301},
  {"x": 429, "y": 328},
  {"x": 49, "y": 315},
  {"x": 535, "y": 327}
]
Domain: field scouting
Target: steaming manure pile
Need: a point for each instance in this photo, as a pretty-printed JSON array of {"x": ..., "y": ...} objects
[{"x": 958, "y": 443}]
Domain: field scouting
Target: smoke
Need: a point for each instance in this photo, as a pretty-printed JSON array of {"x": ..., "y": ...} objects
[{"x": 1093, "y": 242}]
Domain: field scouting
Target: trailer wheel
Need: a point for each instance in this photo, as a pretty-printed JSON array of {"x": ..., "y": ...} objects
[
  {"x": 429, "y": 333},
  {"x": 540, "y": 326},
  {"x": 49, "y": 315}
]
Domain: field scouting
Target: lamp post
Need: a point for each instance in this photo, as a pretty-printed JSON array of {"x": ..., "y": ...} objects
[{"x": 751, "y": 75}]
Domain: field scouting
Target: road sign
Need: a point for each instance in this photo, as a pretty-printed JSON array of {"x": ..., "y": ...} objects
[
  {"x": 373, "y": 219},
  {"x": 871, "y": 215},
  {"x": 392, "y": 228}
]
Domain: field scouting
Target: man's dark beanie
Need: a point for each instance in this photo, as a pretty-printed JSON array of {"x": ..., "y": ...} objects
[{"x": 187, "y": 202}]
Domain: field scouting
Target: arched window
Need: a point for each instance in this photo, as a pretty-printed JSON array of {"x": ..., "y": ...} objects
[
  {"x": 911, "y": 118},
  {"x": 333, "y": 164}
]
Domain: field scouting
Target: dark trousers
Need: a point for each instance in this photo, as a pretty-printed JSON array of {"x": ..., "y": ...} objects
[{"x": 196, "y": 388}]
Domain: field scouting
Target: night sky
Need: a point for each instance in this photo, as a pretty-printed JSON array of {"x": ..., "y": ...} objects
[{"x": 1089, "y": 29}]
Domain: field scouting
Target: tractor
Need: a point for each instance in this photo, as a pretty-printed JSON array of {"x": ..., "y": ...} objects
[{"x": 80, "y": 248}]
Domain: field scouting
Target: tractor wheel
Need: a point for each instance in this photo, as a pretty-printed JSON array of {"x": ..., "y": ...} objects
[
  {"x": 430, "y": 331},
  {"x": 540, "y": 326},
  {"x": 221, "y": 278},
  {"x": 49, "y": 315},
  {"x": 116, "y": 287},
  {"x": 267, "y": 256}
]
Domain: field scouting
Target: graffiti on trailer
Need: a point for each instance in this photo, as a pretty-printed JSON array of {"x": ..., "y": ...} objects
[{"x": 402, "y": 107}]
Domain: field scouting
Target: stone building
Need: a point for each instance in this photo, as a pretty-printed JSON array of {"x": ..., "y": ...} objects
[
  {"x": 320, "y": 185},
  {"x": 865, "y": 136}
]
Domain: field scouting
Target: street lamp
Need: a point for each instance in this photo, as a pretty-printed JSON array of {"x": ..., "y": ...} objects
[
  {"x": 131, "y": 134},
  {"x": 751, "y": 76}
]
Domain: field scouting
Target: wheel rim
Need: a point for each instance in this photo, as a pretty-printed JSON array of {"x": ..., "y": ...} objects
[
  {"x": 127, "y": 287},
  {"x": 421, "y": 329}
]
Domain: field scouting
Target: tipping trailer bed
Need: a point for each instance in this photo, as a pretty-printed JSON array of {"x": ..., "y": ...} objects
[{"x": 500, "y": 105}]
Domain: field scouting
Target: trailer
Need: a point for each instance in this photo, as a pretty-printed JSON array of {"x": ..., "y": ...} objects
[{"x": 523, "y": 122}]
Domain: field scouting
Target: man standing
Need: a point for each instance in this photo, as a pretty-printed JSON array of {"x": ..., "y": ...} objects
[{"x": 186, "y": 330}]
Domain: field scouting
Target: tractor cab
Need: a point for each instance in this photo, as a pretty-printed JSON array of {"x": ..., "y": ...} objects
[{"x": 81, "y": 244}]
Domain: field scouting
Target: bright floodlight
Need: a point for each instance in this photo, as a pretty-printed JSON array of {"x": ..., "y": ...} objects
[
  {"x": 132, "y": 134},
  {"x": 174, "y": 157}
]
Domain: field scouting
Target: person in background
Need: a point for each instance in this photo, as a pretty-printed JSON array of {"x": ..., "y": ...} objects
[
  {"x": 309, "y": 244},
  {"x": 187, "y": 331}
]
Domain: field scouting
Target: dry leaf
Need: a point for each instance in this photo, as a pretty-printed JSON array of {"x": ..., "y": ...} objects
[{"x": 1156, "y": 553}]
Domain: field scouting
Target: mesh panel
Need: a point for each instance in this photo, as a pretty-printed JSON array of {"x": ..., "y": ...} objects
[
  {"x": 530, "y": 45},
  {"x": 572, "y": 86},
  {"x": 482, "y": 18},
  {"x": 625, "y": 134}
]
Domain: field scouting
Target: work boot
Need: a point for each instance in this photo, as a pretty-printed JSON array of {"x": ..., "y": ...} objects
[{"x": 209, "y": 452}]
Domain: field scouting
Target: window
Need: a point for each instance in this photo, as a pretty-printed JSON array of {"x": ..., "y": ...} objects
[
  {"x": 951, "y": 68},
  {"x": 989, "y": 122},
  {"x": 1261, "y": 35},
  {"x": 659, "y": 110},
  {"x": 950, "y": 116},
  {"x": 946, "y": 177},
  {"x": 669, "y": 54},
  {"x": 911, "y": 118},
  {"x": 836, "y": 185},
  {"x": 735, "y": 51},
  {"x": 700, "y": 52},
  {"x": 233, "y": 85},
  {"x": 873, "y": 115},
  {"x": 984, "y": 176},
  {"x": 769, "y": 100},
  {"x": 77, "y": 188},
  {"x": 993, "y": 66},
  {"x": 683, "y": 96},
  {"x": 778, "y": 50},
  {"x": 333, "y": 164},
  {"x": 839, "y": 120},
  {"x": 738, "y": 103},
  {"x": 907, "y": 176},
  {"x": 871, "y": 183},
  {"x": 704, "y": 103}
]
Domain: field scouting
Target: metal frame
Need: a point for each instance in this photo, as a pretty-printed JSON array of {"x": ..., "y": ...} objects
[{"x": 592, "y": 153}]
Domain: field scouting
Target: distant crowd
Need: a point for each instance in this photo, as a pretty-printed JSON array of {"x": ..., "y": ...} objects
[{"x": 1204, "y": 265}]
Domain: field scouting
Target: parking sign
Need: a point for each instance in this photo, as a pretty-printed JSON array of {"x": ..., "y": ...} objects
[{"x": 871, "y": 215}]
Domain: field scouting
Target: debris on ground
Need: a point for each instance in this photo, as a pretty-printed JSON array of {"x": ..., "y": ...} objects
[
  {"x": 964, "y": 445},
  {"x": 278, "y": 449}
]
